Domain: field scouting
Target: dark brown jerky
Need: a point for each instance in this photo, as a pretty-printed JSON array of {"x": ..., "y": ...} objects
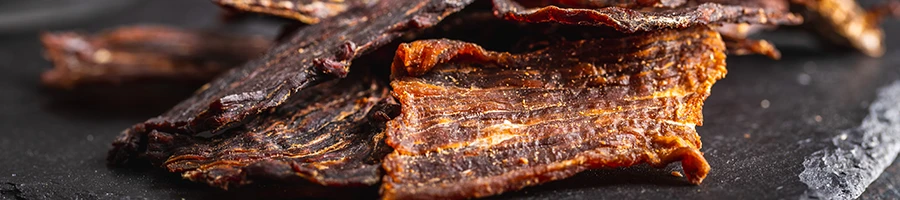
[
  {"x": 141, "y": 53},
  {"x": 313, "y": 54},
  {"x": 331, "y": 134},
  {"x": 476, "y": 123},
  {"x": 306, "y": 11},
  {"x": 628, "y": 20},
  {"x": 845, "y": 23}
]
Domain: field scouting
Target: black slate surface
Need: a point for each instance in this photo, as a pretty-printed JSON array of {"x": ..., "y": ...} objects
[{"x": 53, "y": 146}]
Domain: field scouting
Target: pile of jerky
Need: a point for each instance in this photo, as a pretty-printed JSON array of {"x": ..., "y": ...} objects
[{"x": 428, "y": 100}]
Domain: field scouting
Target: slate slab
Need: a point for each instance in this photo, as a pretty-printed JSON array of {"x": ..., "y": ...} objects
[{"x": 763, "y": 121}]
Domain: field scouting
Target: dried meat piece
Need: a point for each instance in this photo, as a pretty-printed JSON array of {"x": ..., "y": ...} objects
[
  {"x": 767, "y": 4},
  {"x": 736, "y": 30},
  {"x": 139, "y": 53},
  {"x": 306, "y": 11},
  {"x": 313, "y": 54},
  {"x": 620, "y": 3},
  {"x": 743, "y": 46},
  {"x": 325, "y": 136},
  {"x": 476, "y": 123},
  {"x": 845, "y": 23},
  {"x": 328, "y": 136},
  {"x": 628, "y": 20}
]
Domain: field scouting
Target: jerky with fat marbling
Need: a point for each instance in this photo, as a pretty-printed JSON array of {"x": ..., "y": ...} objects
[
  {"x": 144, "y": 53},
  {"x": 476, "y": 123},
  {"x": 313, "y": 54}
]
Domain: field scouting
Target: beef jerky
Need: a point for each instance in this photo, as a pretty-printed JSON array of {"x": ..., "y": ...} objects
[
  {"x": 476, "y": 123},
  {"x": 768, "y": 4},
  {"x": 306, "y": 11},
  {"x": 622, "y": 3},
  {"x": 606, "y": 3},
  {"x": 845, "y": 23},
  {"x": 328, "y": 136},
  {"x": 736, "y": 30},
  {"x": 628, "y": 20},
  {"x": 139, "y": 53},
  {"x": 313, "y": 54},
  {"x": 743, "y": 46}
]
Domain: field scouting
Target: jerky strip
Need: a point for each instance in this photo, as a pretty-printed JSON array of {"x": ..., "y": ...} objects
[
  {"x": 607, "y": 3},
  {"x": 768, "y": 4},
  {"x": 476, "y": 123},
  {"x": 313, "y": 54},
  {"x": 622, "y": 3},
  {"x": 845, "y": 23},
  {"x": 743, "y": 46},
  {"x": 328, "y": 136},
  {"x": 306, "y": 11},
  {"x": 628, "y": 20},
  {"x": 141, "y": 53},
  {"x": 325, "y": 135},
  {"x": 740, "y": 30}
]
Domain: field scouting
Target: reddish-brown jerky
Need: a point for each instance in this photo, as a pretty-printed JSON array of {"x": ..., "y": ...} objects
[
  {"x": 313, "y": 54},
  {"x": 628, "y": 20},
  {"x": 845, "y": 23},
  {"x": 743, "y": 46},
  {"x": 476, "y": 123},
  {"x": 331, "y": 134},
  {"x": 306, "y": 11},
  {"x": 143, "y": 53}
]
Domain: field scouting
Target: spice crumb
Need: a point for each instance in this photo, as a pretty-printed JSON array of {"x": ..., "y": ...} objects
[{"x": 677, "y": 174}]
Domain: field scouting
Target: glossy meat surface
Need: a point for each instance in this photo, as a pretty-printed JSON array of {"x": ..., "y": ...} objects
[{"x": 476, "y": 123}]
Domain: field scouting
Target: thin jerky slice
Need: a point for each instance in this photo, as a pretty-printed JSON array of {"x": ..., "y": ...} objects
[
  {"x": 476, "y": 123},
  {"x": 313, "y": 54},
  {"x": 628, "y": 20},
  {"x": 608, "y": 3},
  {"x": 845, "y": 23},
  {"x": 139, "y": 53},
  {"x": 306, "y": 11},
  {"x": 328, "y": 136},
  {"x": 743, "y": 46},
  {"x": 768, "y": 4},
  {"x": 740, "y": 30},
  {"x": 621, "y": 3}
]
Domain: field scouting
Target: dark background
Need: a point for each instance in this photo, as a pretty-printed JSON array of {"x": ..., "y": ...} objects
[{"x": 53, "y": 144}]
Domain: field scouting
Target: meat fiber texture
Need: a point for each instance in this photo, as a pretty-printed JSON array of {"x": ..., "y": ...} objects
[{"x": 476, "y": 123}]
